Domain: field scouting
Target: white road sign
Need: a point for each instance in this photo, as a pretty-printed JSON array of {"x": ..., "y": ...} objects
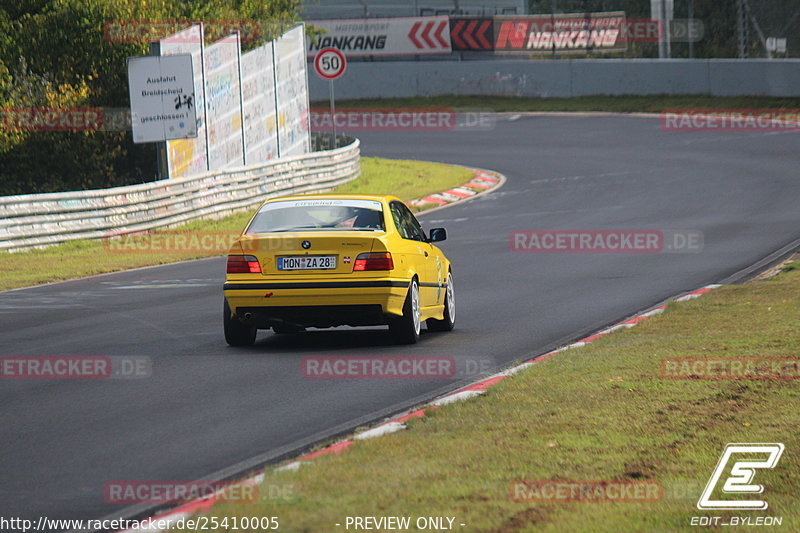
[
  {"x": 330, "y": 63},
  {"x": 162, "y": 98}
]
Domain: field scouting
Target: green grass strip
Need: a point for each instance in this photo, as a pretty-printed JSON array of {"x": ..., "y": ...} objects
[
  {"x": 405, "y": 179},
  {"x": 601, "y": 412},
  {"x": 617, "y": 104}
]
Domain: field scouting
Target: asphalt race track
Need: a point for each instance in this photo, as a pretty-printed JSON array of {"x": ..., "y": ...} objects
[{"x": 209, "y": 409}]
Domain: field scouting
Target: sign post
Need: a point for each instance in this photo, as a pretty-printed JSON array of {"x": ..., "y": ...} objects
[{"x": 330, "y": 63}]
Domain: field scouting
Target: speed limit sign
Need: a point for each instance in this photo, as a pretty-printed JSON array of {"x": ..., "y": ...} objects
[{"x": 330, "y": 63}]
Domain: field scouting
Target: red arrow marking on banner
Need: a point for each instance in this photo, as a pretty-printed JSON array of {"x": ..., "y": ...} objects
[
  {"x": 481, "y": 35},
  {"x": 413, "y": 35},
  {"x": 426, "y": 34},
  {"x": 468, "y": 35},
  {"x": 454, "y": 34},
  {"x": 438, "y": 33}
]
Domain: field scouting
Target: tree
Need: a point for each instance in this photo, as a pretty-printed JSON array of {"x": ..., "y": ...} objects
[{"x": 55, "y": 53}]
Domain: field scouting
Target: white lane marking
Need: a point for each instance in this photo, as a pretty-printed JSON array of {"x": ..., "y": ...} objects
[
  {"x": 163, "y": 286},
  {"x": 440, "y": 220},
  {"x": 457, "y": 397},
  {"x": 384, "y": 429},
  {"x": 694, "y": 295},
  {"x": 590, "y": 176},
  {"x": 511, "y": 371},
  {"x": 613, "y": 328},
  {"x": 161, "y": 283},
  {"x": 294, "y": 465}
]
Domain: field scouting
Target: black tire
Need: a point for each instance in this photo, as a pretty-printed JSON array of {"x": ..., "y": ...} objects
[
  {"x": 405, "y": 329},
  {"x": 236, "y": 333},
  {"x": 449, "y": 321}
]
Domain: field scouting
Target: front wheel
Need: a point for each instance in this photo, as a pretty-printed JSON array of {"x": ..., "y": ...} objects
[
  {"x": 236, "y": 333},
  {"x": 449, "y": 320},
  {"x": 405, "y": 329}
]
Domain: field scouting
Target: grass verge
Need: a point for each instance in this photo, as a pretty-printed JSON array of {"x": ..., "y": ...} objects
[
  {"x": 405, "y": 179},
  {"x": 617, "y": 104},
  {"x": 601, "y": 412}
]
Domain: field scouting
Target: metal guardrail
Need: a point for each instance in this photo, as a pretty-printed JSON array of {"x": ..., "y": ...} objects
[{"x": 37, "y": 220}]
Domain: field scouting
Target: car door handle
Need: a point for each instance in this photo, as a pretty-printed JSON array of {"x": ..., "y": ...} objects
[{"x": 426, "y": 254}]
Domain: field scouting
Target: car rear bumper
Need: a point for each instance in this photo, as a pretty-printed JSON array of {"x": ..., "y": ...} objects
[
  {"x": 317, "y": 303},
  {"x": 317, "y": 316}
]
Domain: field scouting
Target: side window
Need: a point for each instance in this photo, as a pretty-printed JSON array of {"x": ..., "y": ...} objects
[
  {"x": 417, "y": 232},
  {"x": 406, "y": 223},
  {"x": 397, "y": 215}
]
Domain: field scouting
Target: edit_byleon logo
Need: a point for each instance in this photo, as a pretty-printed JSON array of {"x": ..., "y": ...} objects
[{"x": 744, "y": 460}]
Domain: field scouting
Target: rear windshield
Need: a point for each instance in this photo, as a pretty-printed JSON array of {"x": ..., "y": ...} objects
[{"x": 318, "y": 215}]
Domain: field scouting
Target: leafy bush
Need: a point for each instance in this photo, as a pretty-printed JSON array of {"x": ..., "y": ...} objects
[{"x": 55, "y": 54}]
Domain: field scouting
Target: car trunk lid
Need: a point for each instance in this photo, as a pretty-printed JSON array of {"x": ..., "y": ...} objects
[{"x": 308, "y": 253}]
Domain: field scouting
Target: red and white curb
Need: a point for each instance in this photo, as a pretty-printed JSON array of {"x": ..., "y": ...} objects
[
  {"x": 168, "y": 520},
  {"x": 399, "y": 422},
  {"x": 482, "y": 181},
  {"x": 479, "y": 387}
]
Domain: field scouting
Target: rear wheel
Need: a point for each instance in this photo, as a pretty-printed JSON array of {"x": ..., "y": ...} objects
[
  {"x": 449, "y": 320},
  {"x": 405, "y": 329},
  {"x": 236, "y": 333}
]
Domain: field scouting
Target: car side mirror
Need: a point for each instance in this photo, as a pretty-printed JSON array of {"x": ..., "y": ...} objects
[{"x": 438, "y": 234}]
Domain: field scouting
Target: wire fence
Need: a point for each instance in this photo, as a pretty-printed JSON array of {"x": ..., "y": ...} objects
[{"x": 730, "y": 29}]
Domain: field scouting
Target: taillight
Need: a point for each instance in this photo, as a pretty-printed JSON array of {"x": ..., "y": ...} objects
[
  {"x": 373, "y": 261},
  {"x": 243, "y": 264}
]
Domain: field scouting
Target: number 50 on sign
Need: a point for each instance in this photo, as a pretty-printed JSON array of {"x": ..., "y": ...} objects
[{"x": 330, "y": 63}]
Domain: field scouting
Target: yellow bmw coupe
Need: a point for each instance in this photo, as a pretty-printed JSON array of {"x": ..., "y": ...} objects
[{"x": 333, "y": 260}]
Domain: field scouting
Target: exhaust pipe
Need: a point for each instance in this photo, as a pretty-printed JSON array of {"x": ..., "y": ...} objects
[{"x": 248, "y": 316}]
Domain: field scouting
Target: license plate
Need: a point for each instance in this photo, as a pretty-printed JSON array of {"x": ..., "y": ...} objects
[{"x": 307, "y": 262}]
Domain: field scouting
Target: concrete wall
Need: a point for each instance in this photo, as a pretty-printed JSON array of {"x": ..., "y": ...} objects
[{"x": 563, "y": 78}]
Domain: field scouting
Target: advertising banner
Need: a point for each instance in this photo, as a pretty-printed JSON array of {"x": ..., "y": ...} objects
[
  {"x": 383, "y": 36},
  {"x": 475, "y": 34},
  {"x": 564, "y": 34}
]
